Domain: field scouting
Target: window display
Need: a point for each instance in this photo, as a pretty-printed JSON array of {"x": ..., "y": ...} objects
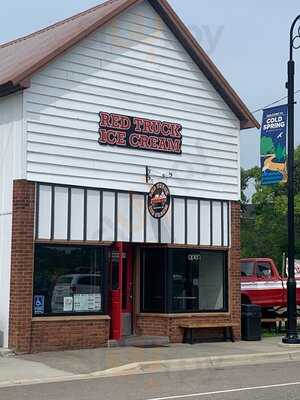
[
  {"x": 69, "y": 280},
  {"x": 183, "y": 280}
]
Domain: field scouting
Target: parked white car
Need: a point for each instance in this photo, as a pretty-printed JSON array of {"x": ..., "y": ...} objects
[{"x": 68, "y": 286}]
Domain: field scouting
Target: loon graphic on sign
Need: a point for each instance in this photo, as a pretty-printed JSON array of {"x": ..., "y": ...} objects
[{"x": 159, "y": 200}]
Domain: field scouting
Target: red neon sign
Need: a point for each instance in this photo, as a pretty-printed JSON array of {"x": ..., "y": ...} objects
[{"x": 139, "y": 133}]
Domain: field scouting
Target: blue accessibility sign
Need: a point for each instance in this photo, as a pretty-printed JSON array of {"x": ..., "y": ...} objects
[{"x": 39, "y": 304}]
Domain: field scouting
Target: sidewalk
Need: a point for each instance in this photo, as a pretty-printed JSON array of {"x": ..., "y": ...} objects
[{"x": 104, "y": 362}]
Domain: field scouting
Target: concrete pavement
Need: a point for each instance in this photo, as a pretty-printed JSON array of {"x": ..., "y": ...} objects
[
  {"x": 5, "y": 352},
  {"x": 260, "y": 382},
  {"x": 104, "y": 362}
]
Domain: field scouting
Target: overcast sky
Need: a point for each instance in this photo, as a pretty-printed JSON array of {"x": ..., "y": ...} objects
[{"x": 248, "y": 41}]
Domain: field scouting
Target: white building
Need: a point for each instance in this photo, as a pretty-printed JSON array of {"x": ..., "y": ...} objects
[{"x": 74, "y": 206}]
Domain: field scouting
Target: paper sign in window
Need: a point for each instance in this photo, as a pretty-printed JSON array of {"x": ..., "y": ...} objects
[
  {"x": 87, "y": 302},
  {"x": 68, "y": 304}
]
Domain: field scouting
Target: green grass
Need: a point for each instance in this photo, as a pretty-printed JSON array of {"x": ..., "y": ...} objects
[{"x": 266, "y": 333}]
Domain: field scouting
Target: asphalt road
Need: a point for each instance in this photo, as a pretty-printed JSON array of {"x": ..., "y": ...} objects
[{"x": 263, "y": 382}]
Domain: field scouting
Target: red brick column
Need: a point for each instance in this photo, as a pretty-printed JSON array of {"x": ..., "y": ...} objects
[
  {"x": 234, "y": 265},
  {"x": 22, "y": 261}
]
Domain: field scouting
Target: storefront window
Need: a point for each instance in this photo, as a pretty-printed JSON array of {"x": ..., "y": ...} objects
[
  {"x": 154, "y": 280},
  {"x": 194, "y": 280},
  {"x": 69, "y": 280},
  {"x": 197, "y": 280}
]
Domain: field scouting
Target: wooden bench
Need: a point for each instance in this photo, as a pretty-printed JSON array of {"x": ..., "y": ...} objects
[
  {"x": 189, "y": 328},
  {"x": 276, "y": 322}
]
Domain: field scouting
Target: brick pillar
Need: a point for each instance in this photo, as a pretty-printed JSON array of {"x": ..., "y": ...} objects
[
  {"x": 234, "y": 262},
  {"x": 22, "y": 262}
]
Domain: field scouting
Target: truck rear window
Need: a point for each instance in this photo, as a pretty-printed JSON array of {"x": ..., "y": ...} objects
[{"x": 247, "y": 268}]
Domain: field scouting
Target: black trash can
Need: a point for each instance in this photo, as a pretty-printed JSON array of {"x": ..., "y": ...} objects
[{"x": 251, "y": 322}]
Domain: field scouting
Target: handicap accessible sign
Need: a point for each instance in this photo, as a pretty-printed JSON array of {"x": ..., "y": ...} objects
[{"x": 39, "y": 304}]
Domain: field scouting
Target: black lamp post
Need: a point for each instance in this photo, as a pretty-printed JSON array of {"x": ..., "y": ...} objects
[{"x": 291, "y": 335}]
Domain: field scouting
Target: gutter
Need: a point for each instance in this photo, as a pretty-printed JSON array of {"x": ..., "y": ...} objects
[{"x": 9, "y": 87}]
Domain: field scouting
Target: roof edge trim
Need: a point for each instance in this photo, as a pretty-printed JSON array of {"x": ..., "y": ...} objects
[
  {"x": 216, "y": 78},
  {"x": 66, "y": 46},
  {"x": 9, "y": 88},
  {"x": 21, "y": 79}
]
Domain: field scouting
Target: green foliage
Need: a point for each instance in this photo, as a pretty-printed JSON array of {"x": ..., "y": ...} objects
[
  {"x": 265, "y": 233},
  {"x": 280, "y": 153},
  {"x": 266, "y": 146}
]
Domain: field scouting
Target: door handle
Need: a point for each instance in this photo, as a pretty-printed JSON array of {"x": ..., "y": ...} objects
[{"x": 130, "y": 293}]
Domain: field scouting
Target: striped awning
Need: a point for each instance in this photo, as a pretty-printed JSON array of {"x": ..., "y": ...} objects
[{"x": 65, "y": 213}]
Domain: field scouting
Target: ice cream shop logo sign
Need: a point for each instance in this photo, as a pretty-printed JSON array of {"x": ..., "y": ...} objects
[
  {"x": 159, "y": 200},
  {"x": 139, "y": 133}
]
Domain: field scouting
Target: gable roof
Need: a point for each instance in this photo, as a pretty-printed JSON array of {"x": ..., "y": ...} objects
[{"x": 23, "y": 57}]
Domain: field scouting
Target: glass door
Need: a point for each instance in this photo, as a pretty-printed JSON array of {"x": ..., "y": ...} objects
[
  {"x": 127, "y": 292},
  {"x": 121, "y": 291}
]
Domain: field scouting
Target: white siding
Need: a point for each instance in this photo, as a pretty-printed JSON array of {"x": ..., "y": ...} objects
[
  {"x": 134, "y": 66},
  {"x": 226, "y": 224},
  {"x": 205, "y": 218},
  {"x": 77, "y": 215},
  {"x": 123, "y": 217},
  {"x": 192, "y": 221},
  {"x": 179, "y": 217},
  {"x": 93, "y": 215},
  {"x": 138, "y": 223},
  {"x": 166, "y": 227},
  {"x": 45, "y": 202},
  {"x": 217, "y": 223},
  {"x": 12, "y": 157},
  {"x": 108, "y": 216},
  {"x": 97, "y": 215},
  {"x": 61, "y": 214},
  {"x": 151, "y": 229}
]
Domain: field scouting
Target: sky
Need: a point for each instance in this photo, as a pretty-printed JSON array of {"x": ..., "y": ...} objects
[{"x": 247, "y": 40}]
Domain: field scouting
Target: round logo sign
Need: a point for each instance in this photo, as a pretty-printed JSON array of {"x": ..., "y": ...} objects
[{"x": 159, "y": 200}]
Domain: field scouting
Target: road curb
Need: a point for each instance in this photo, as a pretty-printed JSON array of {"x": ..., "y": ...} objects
[
  {"x": 148, "y": 367},
  {"x": 200, "y": 363}
]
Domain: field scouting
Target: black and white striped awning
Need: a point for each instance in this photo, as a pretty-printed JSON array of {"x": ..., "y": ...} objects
[{"x": 84, "y": 214}]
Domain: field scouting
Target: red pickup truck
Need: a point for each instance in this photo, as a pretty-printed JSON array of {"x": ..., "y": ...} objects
[{"x": 261, "y": 284}]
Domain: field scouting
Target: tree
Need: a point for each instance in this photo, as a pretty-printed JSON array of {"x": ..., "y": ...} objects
[
  {"x": 280, "y": 153},
  {"x": 266, "y": 145},
  {"x": 265, "y": 233},
  {"x": 248, "y": 175}
]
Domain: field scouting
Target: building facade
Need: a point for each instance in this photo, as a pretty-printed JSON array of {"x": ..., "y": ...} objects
[{"x": 120, "y": 180}]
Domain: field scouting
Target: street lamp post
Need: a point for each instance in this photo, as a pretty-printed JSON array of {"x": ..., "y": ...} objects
[{"x": 291, "y": 334}]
